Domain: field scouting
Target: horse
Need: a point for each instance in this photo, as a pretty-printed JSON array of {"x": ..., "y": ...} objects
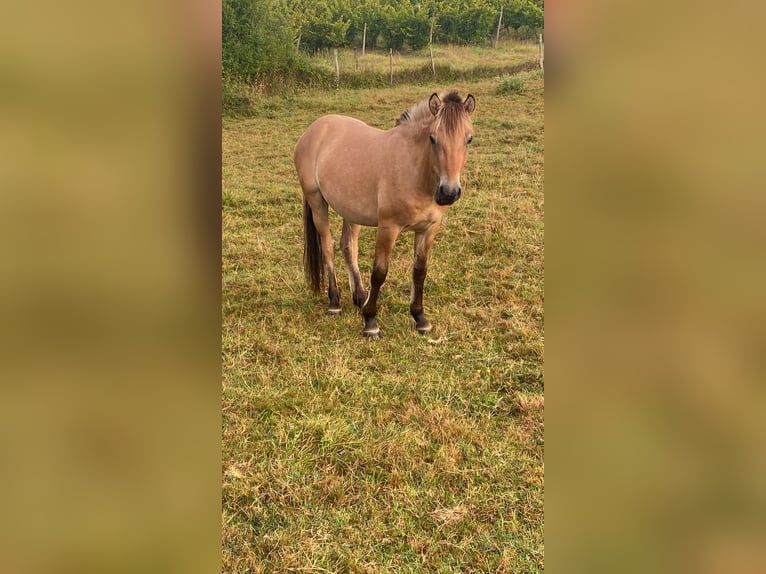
[{"x": 400, "y": 179}]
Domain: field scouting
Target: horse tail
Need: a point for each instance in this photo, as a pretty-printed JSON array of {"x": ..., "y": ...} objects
[{"x": 312, "y": 250}]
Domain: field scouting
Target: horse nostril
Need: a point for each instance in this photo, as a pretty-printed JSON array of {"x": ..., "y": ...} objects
[{"x": 447, "y": 194}]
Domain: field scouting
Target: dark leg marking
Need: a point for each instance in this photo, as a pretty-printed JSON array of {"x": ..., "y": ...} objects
[
  {"x": 422, "y": 325},
  {"x": 370, "y": 308},
  {"x": 423, "y": 242}
]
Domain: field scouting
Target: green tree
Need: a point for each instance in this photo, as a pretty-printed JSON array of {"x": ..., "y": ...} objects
[
  {"x": 405, "y": 24},
  {"x": 367, "y": 12},
  {"x": 256, "y": 38},
  {"x": 466, "y": 21},
  {"x": 526, "y": 14},
  {"x": 321, "y": 23}
]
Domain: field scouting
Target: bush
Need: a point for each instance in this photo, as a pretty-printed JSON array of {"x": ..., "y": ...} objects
[
  {"x": 525, "y": 32},
  {"x": 466, "y": 25},
  {"x": 511, "y": 85},
  {"x": 255, "y": 39}
]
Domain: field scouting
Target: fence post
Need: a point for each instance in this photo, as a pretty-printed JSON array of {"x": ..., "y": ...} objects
[
  {"x": 499, "y": 21},
  {"x": 337, "y": 68},
  {"x": 364, "y": 38},
  {"x": 540, "y": 51},
  {"x": 431, "y": 34},
  {"x": 433, "y": 66},
  {"x": 391, "y": 65}
]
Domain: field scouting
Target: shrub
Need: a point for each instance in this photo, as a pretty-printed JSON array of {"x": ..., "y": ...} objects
[{"x": 511, "y": 85}]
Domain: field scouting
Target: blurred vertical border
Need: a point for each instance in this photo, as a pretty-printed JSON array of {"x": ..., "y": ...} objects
[
  {"x": 110, "y": 289},
  {"x": 655, "y": 275}
]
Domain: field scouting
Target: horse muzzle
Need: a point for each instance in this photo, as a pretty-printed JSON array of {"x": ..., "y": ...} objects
[{"x": 447, "y": 195}]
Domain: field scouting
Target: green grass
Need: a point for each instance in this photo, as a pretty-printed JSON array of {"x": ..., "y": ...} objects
[
  {"x": 411, "y": 453},
  {"x": 517, "y": 83},
  {"x": 452, "y": 64},
  {"x": 466, "y": 59},
  {"x": 511, "y": 85}
]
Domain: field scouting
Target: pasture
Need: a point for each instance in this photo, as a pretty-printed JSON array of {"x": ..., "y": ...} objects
[
  {"x": 458, "y": 58},
  {"x": 410, "y": 453}
]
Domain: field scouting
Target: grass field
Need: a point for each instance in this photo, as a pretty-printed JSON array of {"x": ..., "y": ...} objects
[
  {"x": 460, "y": 58},
  {"x": 453, "y": 65},
  {"x": 410, "y": 453}
]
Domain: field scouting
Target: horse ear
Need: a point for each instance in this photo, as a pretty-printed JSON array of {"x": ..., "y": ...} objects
[
  {"x": 469, "y": 105},
  {"x": 434, "y": 103}
]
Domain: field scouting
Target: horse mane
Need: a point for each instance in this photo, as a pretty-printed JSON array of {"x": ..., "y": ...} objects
[
  {"x": 415, "y": 114},
  {"x": 449, "y": 113}
]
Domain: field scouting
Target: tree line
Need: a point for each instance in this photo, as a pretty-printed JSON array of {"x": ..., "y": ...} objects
[{"x": 265, "y": 36}]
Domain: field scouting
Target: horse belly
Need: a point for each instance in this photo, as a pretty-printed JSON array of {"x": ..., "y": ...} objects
[{"x": 353, "y": 200}]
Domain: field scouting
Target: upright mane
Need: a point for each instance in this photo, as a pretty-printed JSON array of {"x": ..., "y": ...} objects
[
  {"x": 449, "y": 114},
  {"x": 415, "y": 114}
]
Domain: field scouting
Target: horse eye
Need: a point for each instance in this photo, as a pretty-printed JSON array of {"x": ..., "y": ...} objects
[
  {"x": 469, "y": 140},
  {"x": 432, "y": 137}
]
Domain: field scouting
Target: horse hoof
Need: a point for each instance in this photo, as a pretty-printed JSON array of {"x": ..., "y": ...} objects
[
  {"x": 372, "y": 335},
  {"x": 334, "y": 312},
  {"x": 423, "y": 329}
]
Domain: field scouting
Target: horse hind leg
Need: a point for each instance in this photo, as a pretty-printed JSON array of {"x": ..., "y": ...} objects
[
  {"x": 349, "y": 241},
  {"x": 321, "y": 219}
]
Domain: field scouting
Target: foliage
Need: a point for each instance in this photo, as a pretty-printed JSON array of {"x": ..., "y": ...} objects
[
  {"x": 405, "y": 26},
  {"x": 510, "y": 85},
  {"x": 322, "y": 24},
  {"x": 522, "y": 18},
  {"x": 256, "y": 39},
  {"x": 453, "y": 66},
  {"x": 260, "y": 36},
  {"x": 466, "y": 21}
]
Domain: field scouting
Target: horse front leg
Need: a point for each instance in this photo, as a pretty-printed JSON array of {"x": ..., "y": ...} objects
[
  {"x": 384, "y": 243},
  {"x": 423, "y": 243}
]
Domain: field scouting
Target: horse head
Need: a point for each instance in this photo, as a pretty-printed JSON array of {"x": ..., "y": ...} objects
[{"x": 450, "y": 135}]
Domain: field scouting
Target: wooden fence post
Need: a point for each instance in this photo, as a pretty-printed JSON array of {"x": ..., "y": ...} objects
[
  {"x": 337, "y": 68},
  {"x": 499, "y": 21},
  {"x": 433, "y": 66},
  {"x": 364, "y": 38},
  {"x": 431, "y": 35},
  {"x": 540, "y": 51}
]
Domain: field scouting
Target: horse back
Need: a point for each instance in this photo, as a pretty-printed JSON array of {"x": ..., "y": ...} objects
[{"x": 340, "y": 157}]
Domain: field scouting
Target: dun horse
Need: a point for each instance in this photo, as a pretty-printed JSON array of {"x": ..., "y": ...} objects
[{"x": 401, "y": 179}]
